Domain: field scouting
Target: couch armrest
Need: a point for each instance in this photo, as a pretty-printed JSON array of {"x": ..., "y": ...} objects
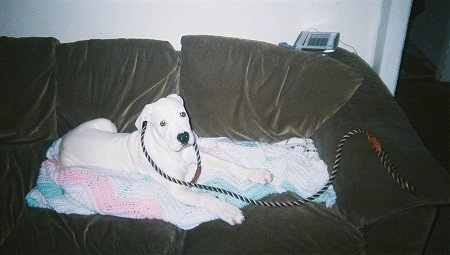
[{"x": 366, "y": 192}]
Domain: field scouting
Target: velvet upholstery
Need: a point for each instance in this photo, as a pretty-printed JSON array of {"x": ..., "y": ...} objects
[
  {"x": 279, "y": 231},
  {"x": 43, "y": 231},
  {"x": 112, "y": 79},
  {"x": 363, "y": 183},
  {"x": 27, "y": 68},
  {"x": 258, "y": 91}
]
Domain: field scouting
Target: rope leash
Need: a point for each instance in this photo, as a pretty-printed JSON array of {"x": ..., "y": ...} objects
[
  {"x": 373, "y": 141},
  {"x": 384, "y": 158}
]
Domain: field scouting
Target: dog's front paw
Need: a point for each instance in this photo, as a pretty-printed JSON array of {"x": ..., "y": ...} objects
[
  {"x": 226, "y": 212},
  {"x": 231, "y": 215},
  {"x": 260, "y": 176}
]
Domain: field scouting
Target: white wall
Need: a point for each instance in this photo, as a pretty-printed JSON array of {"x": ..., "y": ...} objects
[
  {"x": 391, "y": 38},
  {"x": 274, "y": 21}
]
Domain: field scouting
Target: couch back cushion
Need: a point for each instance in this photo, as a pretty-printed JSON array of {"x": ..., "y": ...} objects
[
  {"x": 27, "y": 88},
  {"x": 112, "y": 79},
  {"x": 258, "y": 91}
]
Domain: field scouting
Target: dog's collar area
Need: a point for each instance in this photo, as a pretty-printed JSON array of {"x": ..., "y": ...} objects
[{"x": 198, "y": 171}]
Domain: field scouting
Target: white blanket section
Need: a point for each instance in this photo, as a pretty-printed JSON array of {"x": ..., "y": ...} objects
[{"x": 294, "y": 163}]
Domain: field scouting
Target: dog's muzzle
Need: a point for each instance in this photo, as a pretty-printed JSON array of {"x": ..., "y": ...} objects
[{"x": 183, "y": 135}]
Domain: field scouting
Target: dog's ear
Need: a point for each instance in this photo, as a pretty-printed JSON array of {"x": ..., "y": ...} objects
[
  {"x": 177, "y": 97},
  {"x": 143, "y": 116}
]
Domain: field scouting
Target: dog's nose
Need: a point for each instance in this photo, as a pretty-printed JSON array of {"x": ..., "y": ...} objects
[{"x": 183, "y": 137}]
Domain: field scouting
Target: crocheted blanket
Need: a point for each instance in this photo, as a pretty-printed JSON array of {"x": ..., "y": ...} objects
[{"x": 294, "y": 163}]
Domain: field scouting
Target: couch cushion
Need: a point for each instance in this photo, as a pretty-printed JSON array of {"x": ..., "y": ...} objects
[
  {"x": 41, "y": 231},
  {"x": 306, "y": 229},
  {"x": 404, "y": 233},
  {"x": 112, "y": 79},
  {"x": 253, "y": 90},
  {"x": 27, "y": 86}
]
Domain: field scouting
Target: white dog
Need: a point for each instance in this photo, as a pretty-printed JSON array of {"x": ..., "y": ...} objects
[{"x": 168, "y": 140}]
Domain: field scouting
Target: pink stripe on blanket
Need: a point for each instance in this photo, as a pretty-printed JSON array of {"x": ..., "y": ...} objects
[{"x": 105, "y": 196}]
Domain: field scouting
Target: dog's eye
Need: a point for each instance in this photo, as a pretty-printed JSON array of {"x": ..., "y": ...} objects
[
  {"x": 183, "y": 114},
  {"x": 162, "y": 123}
]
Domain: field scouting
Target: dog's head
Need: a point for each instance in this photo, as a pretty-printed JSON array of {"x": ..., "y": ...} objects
[{"x": 167, "y": 122}]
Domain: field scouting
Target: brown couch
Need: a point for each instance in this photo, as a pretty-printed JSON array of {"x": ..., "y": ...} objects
[{"x": 243, "y": 89}]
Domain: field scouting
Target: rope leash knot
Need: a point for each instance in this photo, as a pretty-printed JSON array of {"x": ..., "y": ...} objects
[{"x": 376, "y": 145}]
